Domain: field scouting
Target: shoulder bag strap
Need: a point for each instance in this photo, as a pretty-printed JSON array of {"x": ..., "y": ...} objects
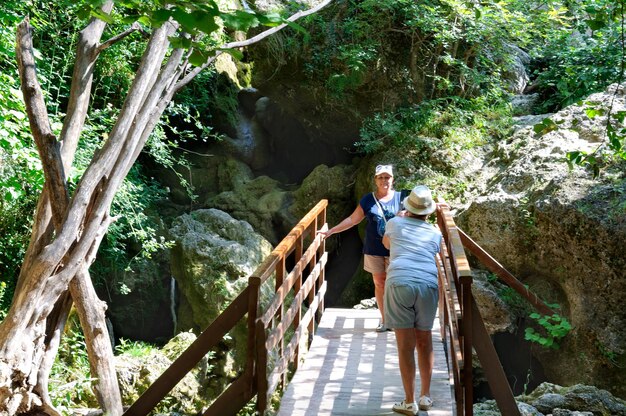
[{"x": 382, "y": 211}]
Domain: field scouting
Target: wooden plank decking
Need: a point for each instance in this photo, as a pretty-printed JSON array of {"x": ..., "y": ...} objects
[{"x": 353, "y": 370}]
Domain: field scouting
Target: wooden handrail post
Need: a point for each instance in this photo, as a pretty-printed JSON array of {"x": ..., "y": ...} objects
[
  {"x": 296, "y": 321},
  {"x": 462, "y": 277},
  {"x": 261, "y": 368},
  {"x": 472, "y": 332},
  {"x": 321, "y": 219},
  {"x": 468, "y": 385},
  {"x": 254, "y": 283}
]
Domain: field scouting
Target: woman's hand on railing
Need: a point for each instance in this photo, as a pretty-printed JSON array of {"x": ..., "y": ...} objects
[{"x": 324, "y": 234}]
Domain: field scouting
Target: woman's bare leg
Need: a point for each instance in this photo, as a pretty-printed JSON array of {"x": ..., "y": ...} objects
[
  {"x": 425, "y": 359},
  {"x": 379, "y": 292},
  {"x": 406, "y": 340}
]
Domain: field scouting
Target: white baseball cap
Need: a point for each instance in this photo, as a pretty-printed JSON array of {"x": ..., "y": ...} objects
[{"x": 380, "y": 169}]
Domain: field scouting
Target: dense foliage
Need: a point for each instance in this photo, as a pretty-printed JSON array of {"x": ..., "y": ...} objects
[
  {"x": 430, "y": 49},
  {"x": 448, "y": 67},
  {"x": 581, "y": 57},
  {"x": 21, "y": 178},
  {"x": 134, "y": 234}
]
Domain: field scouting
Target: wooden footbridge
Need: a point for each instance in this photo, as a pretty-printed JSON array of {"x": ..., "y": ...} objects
[{"x": 304, "y": 360}]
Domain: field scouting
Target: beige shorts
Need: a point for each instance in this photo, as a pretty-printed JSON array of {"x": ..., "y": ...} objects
[{"x": 375, "y": 264}]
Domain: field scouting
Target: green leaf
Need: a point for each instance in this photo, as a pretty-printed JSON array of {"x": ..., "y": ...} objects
[
  {"x": 181, "y": 43},
  {"x": 107, "y": 18},
  {"x": 240, "y": 20},
  {"x": 271, "y": 19},
  {"x": 595, "y": 24},
  {"x": 145, "y": 20},
  {"x": 619, "y": 116},
  {"x": 594, "y": 112},
  {"x": 160, "y": 16},
  {"x": 546, "y": 126},
  {"x": 206, "y": 23},
  {"x": 186, "y": 20},
  {"x": 131, "y": 18},
  {"x": 198, "y": 58},
  {"x": 615, "y": 142},
  {"x": 235, "y": 53}
]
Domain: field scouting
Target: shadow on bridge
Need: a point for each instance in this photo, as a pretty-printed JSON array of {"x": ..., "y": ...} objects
[{"x": 351, "y": 369}]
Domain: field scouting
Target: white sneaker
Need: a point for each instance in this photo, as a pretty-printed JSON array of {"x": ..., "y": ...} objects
[
  {"x": 425, "y": 403},
  {"x": 382, "y": 328},
  {"x": 405, "y": 408}
]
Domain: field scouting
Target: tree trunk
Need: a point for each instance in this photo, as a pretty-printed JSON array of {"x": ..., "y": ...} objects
[
  {"x": 67, "y": 231},
  {"x": 92, "y": 317}
]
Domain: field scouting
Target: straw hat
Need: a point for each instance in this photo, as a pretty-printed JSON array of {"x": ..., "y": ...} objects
[{"x": 420, "y": 201}]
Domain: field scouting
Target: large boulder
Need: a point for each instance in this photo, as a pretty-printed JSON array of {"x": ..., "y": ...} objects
[
  {"x": 496, "y": 313},
  {"x": 332, "y": 183},
  {"x": 211, "y": 261},
  {"x": 262, "y": 203},
  {"x": 562, "y": 232}
]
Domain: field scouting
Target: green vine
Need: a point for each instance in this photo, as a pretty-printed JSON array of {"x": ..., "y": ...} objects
[{"x": 554, "y": 328}]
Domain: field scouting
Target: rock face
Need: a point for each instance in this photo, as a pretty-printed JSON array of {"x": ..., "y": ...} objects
[
  {"x": 563, "y": 232},
  {"x": 333, "y": 184},
  {"x": 262, "y": 203},
  {"x": 212, "y": 259},
  {"x": 287, "y": 145},
  {"x": 213, "y": 256},
  {"x": 496, "y": 314}
]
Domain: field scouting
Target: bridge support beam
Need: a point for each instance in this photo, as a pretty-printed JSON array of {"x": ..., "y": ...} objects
[{"x": 490, "y": 363}]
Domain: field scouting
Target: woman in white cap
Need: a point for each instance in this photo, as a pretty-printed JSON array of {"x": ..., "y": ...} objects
[
  {"x": 378, "y": 207},
  {"x": 411, "y": 294}
]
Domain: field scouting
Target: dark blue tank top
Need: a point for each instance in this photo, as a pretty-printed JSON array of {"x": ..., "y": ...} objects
[{"x": 373, "y": 244}]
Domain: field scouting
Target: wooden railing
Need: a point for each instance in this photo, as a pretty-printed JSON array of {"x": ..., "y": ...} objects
[
  {"x": 276, "y": 329},
  {"x": 462, "y": 326}
]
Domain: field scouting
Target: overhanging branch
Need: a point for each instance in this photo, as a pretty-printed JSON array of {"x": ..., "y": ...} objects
[
  {"x": 255, "y": 39},
  {"x": 133, "y": 28}
]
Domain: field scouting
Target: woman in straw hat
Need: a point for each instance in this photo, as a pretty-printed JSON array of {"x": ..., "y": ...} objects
[
  {"x": 411, "y": 294},
  {"x": 378, "y": 207}
]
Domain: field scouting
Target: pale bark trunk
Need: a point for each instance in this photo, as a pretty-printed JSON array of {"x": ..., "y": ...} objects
[
  {"x": 92, "y": 316},
  {"x": 58, "y": 257}
]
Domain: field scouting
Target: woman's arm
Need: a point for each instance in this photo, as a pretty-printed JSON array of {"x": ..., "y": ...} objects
[
  {"x": 386, "y": 241},
  {"x": 349, "y": 222}
]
